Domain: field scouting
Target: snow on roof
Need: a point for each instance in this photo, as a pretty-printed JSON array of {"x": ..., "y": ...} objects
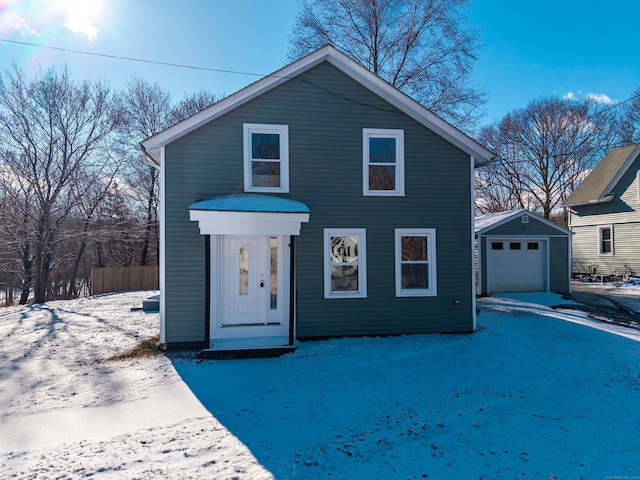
[
  {"x": 489, "y": 219},
  {"x": 486, "y": 221},
  {"x": 250, "y": 203}
]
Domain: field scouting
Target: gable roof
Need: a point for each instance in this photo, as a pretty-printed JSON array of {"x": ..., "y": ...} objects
[
  {"x": 598, "y": 186},
  {"x": 150, "y": 148},
  {"x": 489, "y": 221}
]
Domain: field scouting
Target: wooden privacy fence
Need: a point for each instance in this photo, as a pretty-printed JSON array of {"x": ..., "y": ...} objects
[{"x": 117, "y": 279}]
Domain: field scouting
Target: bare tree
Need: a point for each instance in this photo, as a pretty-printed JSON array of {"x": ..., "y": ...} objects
[
  {"x": 545, "y": 151},
  {"x": 630, "y": 119},
  {"x": 420, "y": 47},
  {"x": 192, "y": 104},
  {"x": 148, "y": 111},
  {"x": 52, "y": 133}
]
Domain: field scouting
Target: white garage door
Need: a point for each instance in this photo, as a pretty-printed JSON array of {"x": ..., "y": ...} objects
[{"x": 516, "y": 265}]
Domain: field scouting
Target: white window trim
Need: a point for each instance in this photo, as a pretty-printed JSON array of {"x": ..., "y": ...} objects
[
  {"x": 638, "y": 185},
  {"x": 283, "y": 132},
  {"x": 383, "y": 133},
  {"x": 600, "y": 229},
  {"x": 361, "y": 233},
  {"x": 430, "y": 233}
]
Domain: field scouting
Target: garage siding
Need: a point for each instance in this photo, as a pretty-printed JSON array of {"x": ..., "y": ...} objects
[{"x": 554, "y": 242}]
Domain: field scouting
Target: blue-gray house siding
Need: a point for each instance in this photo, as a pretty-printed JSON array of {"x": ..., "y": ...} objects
[
  {"x": 326, "y": 111},
  {"x": 325, "y": 135}
]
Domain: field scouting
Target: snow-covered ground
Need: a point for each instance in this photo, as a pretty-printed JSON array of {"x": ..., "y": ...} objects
[{"x": 535, "y": 393}]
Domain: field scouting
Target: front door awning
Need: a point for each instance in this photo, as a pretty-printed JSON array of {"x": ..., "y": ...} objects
[{"x": 249, "y": 215}]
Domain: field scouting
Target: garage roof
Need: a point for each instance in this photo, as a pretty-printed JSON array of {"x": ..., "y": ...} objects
[{"x": 489, "y": 221}]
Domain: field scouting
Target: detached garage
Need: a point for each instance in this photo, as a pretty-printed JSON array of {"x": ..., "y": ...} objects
[{"x": 518, "y": 251}]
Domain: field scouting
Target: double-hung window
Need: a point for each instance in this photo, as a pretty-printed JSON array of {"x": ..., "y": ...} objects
[
  {"x": 383, "y": 162},
  {"x": 266, "y": 158},
  {"x": 345, "y": 263},
  {"x": 415, "y": 262},
  {"x": 605, "y": 240}
]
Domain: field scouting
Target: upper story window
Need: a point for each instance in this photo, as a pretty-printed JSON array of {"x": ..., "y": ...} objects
[
  {"x": 605, "y": 240},
  {"x": 383, "y": 162},
  {"x": 416, "y": 262},
  {"x": 345, "y": 263},
  {"x": 266, "y": 158}
]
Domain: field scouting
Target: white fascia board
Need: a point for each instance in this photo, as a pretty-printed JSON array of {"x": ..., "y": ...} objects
[
  {"x": 412, "y": 108},
  {"x": 518, "y": 214},
  {"x": 235, "y": 100},
  {"x": 349, "y": 67},
  {"x": 248, "y": 223},
  {"x": 605, "y": 199},
  {"x": 620, "y": 173}
]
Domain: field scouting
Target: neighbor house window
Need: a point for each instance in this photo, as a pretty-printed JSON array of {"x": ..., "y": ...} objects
[
  {"x": 383, "y": 162},
  {"x": 266, "y": 158},
  {"x": 345, "y": 263},
  {"x": 605, "y": 240},
  {"x": 415, "y": 262}
]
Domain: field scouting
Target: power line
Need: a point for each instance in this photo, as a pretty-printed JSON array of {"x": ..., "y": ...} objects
[
  {"x": 191, "y": 67},
  {"x": 133, "y": 59}
]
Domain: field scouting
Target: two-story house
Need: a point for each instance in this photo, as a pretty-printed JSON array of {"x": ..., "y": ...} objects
[
  {"x": 604, "y": 216},
  {"x": 319, "y": 201}
]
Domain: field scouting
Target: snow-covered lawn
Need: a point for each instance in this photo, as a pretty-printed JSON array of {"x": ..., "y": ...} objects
[{"x": 535, "y": 393}]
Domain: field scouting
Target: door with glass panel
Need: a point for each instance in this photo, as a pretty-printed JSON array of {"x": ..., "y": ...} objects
[{"x": 252, "y": 281}]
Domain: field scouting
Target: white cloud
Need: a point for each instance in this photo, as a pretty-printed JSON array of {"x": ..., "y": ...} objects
[
  {"x": 596, "y": 97},
  {"x": 600, "y": 98},
  {"x": 25, "y": 28},
  {"x": 78, "y": 24}
]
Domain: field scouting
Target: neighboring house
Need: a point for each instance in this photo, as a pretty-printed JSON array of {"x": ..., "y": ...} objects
[
  {"x": 604, "y": 216},
  {"x": 519, "y": 251},
  {"x": 317, "y": 202}
]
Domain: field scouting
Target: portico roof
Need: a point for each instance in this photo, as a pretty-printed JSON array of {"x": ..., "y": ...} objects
[{"x": 249, "y": 215}]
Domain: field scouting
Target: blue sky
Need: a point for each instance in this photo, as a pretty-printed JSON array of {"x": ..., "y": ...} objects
[{"x": 562, "y": 47}]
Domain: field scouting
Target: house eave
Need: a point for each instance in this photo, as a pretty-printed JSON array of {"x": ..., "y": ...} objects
[
  {"x": 605, "y": 199},
  {"x": 150, "y": 157},
  {"x": 349, "y": 67}
]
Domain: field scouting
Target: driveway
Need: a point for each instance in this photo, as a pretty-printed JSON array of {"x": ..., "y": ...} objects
[{"x": 606, "y": 301}]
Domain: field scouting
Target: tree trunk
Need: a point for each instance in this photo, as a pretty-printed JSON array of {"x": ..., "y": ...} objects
[
  {"x": 27, "y": 266},
  {"x": 150, "y": 216}
]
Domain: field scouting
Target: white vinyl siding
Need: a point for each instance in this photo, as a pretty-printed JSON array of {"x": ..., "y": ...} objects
[
  {"x": 415, "y": 259},
  {"x": 266, "y": 158},
  {"x": 383, "y": 162},
  {"x": 345, "y": 263}
]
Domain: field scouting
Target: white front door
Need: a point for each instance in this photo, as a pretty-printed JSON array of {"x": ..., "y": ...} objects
[{"x": 253, "y": 288}]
